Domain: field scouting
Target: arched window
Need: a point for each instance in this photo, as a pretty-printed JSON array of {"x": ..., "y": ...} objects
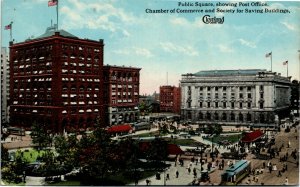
[
  {"x": 200, "y": 116},
  {"x": 262, "y": 118},
  {"x": 249, "y": 117},
  {"x": 241, "y": 118},
  {"x": 224, "y": 116},
  {"x": 232, "y": 117},
  {"x": 216, "y": 116},
  {"x": 208, "y": 116}
]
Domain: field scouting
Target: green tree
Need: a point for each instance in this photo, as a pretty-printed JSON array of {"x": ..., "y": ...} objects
[
  {"x": 4, "y": 156},
  {"x": 157, "y": 152},
  {"x": 40, "y": 136}
]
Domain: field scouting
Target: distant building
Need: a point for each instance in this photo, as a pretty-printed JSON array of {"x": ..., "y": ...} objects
[
  {"x": 56, "y": 79},
  {"x": 4, "y": 86},
  {"x": 121, "y": 94},
  {"x": 295, "y": 98},
  {"x": 170, "y": 99},
  {"x": 235, "y": 97}
]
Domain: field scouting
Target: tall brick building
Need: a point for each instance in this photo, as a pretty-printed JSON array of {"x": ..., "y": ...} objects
[
  {"x": 170, "y": 99},
  {"x": 56, "y": 79},
  {"x": 121, "y": 94}
]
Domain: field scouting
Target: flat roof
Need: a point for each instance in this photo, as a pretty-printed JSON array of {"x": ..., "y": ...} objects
[{"x": 229, "y": 72}]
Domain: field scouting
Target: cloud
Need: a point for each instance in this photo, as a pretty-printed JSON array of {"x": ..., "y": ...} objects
[
  {"x": 225, "y": 49},
  {"x": 289, "y": 26},
  {"x": 247, "y": 43},
  {"x": 100, "y": 15},
  {"x": 178, "y": 49},
  {"x": 134, "y": 51}
]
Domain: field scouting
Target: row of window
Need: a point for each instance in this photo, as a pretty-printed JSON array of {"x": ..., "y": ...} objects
[
  {"x": 74, "y": 111},
  {"x": 79, "y": 48},
  {"x": 224, "y": 105}
]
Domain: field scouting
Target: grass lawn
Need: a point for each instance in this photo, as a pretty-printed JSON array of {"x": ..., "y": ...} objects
[
  {"x": 13, "y": 184},
  {"x": 32, "y": 154},
  {"x": 230, "y": 137},
  {"x": 184, "y": 142},
  {"x": 65, "y": 183}
]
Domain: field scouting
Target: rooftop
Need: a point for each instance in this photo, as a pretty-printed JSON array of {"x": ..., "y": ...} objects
[
  {"x": 50, "y": 31},
  {"x": 229, "y": 72}
]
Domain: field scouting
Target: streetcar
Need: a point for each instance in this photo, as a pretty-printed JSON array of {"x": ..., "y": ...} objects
[{"x": 235, "y": 173}]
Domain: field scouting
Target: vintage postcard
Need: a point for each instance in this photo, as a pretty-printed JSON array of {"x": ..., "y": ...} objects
[{"x": 155, "y": 92}]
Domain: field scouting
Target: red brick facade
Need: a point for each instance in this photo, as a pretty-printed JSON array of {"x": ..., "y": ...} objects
[
  {"x": 170, "y": 98},
  {"x": 121, "y": 95},
  {"x": 56, "y": 80}
]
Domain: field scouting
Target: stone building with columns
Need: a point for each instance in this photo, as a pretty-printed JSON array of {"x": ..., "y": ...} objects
[{"x": 251, "y": 97}]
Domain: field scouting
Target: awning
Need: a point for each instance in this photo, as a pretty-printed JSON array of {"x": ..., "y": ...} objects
[
  {"x": 119, "y": 128},
  {"x": 174, "y": 149},
  {"x": 252, "y": 136}
]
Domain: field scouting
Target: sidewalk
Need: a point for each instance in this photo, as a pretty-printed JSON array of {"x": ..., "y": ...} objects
[{"x": 184, "y": 176}]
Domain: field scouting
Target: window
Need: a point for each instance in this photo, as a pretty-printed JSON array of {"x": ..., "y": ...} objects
[
  {"x": 248, "y": 117},
  {"x": 200, "y": 104},
  {"x": 261, "y": 105},
  {"x": 216, "y": 116},
  {"x": 224, "y": 104},
  {"x": 241, "y": 95},
  {"x": 249, "y": 88},
  {"x": 249, "y": 95},
  {"x": 200, "y": 88},
  {"x": 216, "y": 104},
  {"x": 224, "y": 117},
  {"x": 216, "y": 88},
  {"x": 232, "y": 104},
  {"x": 208, "y": 104},
  {"x": 216, "y": 95},
  {"x": 261, "y": 88},
  {"x": 249, "y": 105},
  {"x": 261, "y": 95},
  {"x": 224, "y": 88},
  {"x": 232, "y": 117},
  {"x": 241, "y": 88},
  {"x": 208, "y": 88},
  {"x": 241, "y": 105}
]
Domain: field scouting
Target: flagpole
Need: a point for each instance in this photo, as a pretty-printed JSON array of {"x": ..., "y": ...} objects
[
  {"x": 10, "y": 31},
  {"x": 271, "y": 60},
  {"x": 287, "y": 69},
  {"x": 57, "y": 15}
]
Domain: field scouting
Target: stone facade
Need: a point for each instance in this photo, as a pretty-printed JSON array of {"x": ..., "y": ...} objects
[
  {"x": 235, "y": 97},
  {"x": 4, "y": 85}
]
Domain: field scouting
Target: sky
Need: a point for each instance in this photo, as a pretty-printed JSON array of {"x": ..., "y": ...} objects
[{"x": 167, "y": 45}]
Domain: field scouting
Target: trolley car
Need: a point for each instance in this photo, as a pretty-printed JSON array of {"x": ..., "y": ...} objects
[{"x": 236, "y": 173}]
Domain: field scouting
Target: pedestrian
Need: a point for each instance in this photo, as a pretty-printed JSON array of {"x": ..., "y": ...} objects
[
  {"x": 177, "y": 174},
  {"x": 168, "y": 176},
  {"x": 264, "y": 164},
  {"x": 286, "y": 181},
  {"x": 148, "y": 182},
  {"x": 279, "y": 173},
  {"x": 297, "y": 163},
  {"x": 285, "y": 167},
  {"x": 189, "y": 170}
]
